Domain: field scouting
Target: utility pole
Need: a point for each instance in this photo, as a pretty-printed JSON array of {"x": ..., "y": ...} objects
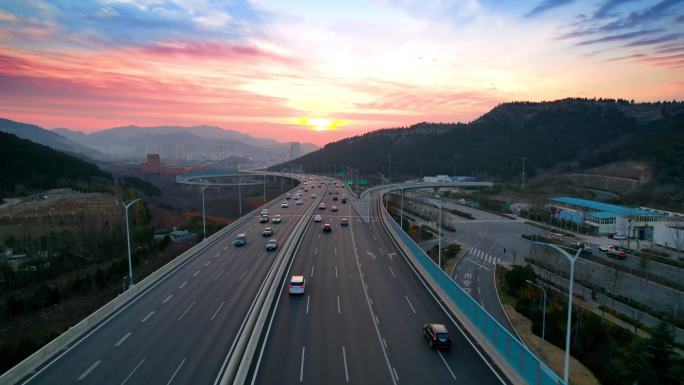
[{"x": 523, "y": 174}]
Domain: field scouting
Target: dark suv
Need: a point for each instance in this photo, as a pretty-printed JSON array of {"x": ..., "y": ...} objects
[{"x": 437, "y": 336}]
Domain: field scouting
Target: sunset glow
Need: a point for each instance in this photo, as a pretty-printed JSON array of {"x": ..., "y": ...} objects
[{"x": 258, "y": 66}]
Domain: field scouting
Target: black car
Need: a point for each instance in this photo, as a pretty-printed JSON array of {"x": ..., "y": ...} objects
[{"x": 437, "y": 336}]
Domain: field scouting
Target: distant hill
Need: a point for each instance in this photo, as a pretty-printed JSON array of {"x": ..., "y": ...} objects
[
  {"x": 124, "y": 141},
  {"x": 568, "y": 135},
  {"x": 48, "y": 138},
  {"x": 30, "y": 167}
]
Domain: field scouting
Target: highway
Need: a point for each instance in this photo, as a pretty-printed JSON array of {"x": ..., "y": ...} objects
[
  {"x": 182, "y": 328},
  {"x": 361, "y": 318}
]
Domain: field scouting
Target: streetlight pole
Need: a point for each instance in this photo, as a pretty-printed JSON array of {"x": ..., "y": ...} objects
[
  {"x": 439, "y": 242},
  {"x": 204, "y": 220},
  {"x": 239, "y": 199},
  {"x": 543, "y": 314},
  {"x": 402, "y": 208},
  {"x": 571, "y": 259},
  {"x": 523, "y": 174},
  {"x": 128, "y": 241}
]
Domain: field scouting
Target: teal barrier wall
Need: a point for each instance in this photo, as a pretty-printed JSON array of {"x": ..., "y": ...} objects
[{"x": 530, "y": 368}]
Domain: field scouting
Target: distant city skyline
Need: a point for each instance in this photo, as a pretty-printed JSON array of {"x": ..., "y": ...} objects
[{"x": 318, "y": 72}]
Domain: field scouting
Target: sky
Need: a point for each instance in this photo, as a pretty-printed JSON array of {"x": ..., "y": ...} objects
[{"x": 318, "y": 71}]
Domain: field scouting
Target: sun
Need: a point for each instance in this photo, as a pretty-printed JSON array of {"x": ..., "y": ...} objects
[{"x": 319, "y": 124}]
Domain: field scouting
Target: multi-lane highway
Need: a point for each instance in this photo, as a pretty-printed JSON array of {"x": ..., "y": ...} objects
[
  {"x": 361, "y": 317},
  {"x": 182, "y": 328}
]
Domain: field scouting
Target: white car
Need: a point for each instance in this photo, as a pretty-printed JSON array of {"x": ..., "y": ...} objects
[
  {"x": 619, "y": 237},
  {"x": 297, "y": 284},
  {"x": 272, "y": 244},
  {"x": 277, "y": 219},
  {"x": 284, "y": 205},
  {"x": 288, "y": 196},
  {"x": 264, "y": 212},
  {"x": 299, "y": 201},
  {"x": 321, "y": 206},
  {"x": 606, "y": 248},
  {"x": 264, "y": 219},
  {"x": 313, "y": 195},
  {"x": 318, "y": 218},
  {"x": 268, "y": 232}
]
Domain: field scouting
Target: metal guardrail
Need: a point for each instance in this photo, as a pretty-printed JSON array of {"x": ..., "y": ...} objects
[
  {"x": 493, "y": 336},
  {"x": 65, "y": 341},
  {"x": 237, "y": 368}
]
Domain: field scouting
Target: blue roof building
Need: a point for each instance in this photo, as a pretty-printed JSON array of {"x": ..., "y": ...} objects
[{"x": 605, "y": 218}]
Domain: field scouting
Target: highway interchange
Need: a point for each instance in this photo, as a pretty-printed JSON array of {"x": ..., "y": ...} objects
[{"x": 360, "y": 320}]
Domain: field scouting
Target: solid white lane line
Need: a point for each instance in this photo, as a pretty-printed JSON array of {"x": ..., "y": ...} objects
[
  {"x": 301, "y": 367},
  {"x": 183, "y": 285},
  {"x": 176, "y": 371},
  {"x": 186, "y": 310},
  {"x": 128, "y": 377},
  {"x": 312, "y": 269},
  {"x": 87, "y": 371},
  {"x": 339, "y": 309},
  {"x": 197, "y": 272},
  {"x": 482, "y": 266},
  {"x": 344, "y": 358},
  {"x": 147, "y": 317},
  {"x": 242, "y": 275},
  {"x": 219, "y": 275},
  {"x": 335, "y": 271},
  {"x": 371, "y": 254},
  {"x": 167, "y": 298},
  {"x": 395, "y": 373},
  {"x": 392, "y": 271},
  {"x": 217, "y": 310},
  {"x": 124, "y": 338},
  {"x": 308, "y": 297},
  {"x": 446, "y": 364},
  {"x": 409, "y": 303}
]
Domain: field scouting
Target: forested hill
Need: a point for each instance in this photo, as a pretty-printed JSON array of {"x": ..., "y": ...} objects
[
  {"x": 29, "y": 167},
  {"x": 574, "y": 133}
]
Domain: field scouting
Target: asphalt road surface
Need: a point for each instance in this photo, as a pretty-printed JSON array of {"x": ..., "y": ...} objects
[
  {"x": 180, "y": 330},
  {"x": 360, "y": 320}
]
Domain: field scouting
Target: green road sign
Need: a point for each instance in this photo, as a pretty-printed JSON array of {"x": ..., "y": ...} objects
[
  {"x": 341, "y": 173},
  {"x": 363, "y": 182},
  {"x": 348, "y": 181}
]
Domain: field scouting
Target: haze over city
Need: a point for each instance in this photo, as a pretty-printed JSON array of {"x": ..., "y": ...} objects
[{"x": 319, "y": 71}]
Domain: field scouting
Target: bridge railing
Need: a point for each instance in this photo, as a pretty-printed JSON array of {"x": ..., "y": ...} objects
[{"x": 510, "y": 349}]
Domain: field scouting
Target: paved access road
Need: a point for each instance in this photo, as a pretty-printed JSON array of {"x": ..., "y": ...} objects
[
  {"x": 360, "y": 320},
  {"x": 181, "y": 330}
]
